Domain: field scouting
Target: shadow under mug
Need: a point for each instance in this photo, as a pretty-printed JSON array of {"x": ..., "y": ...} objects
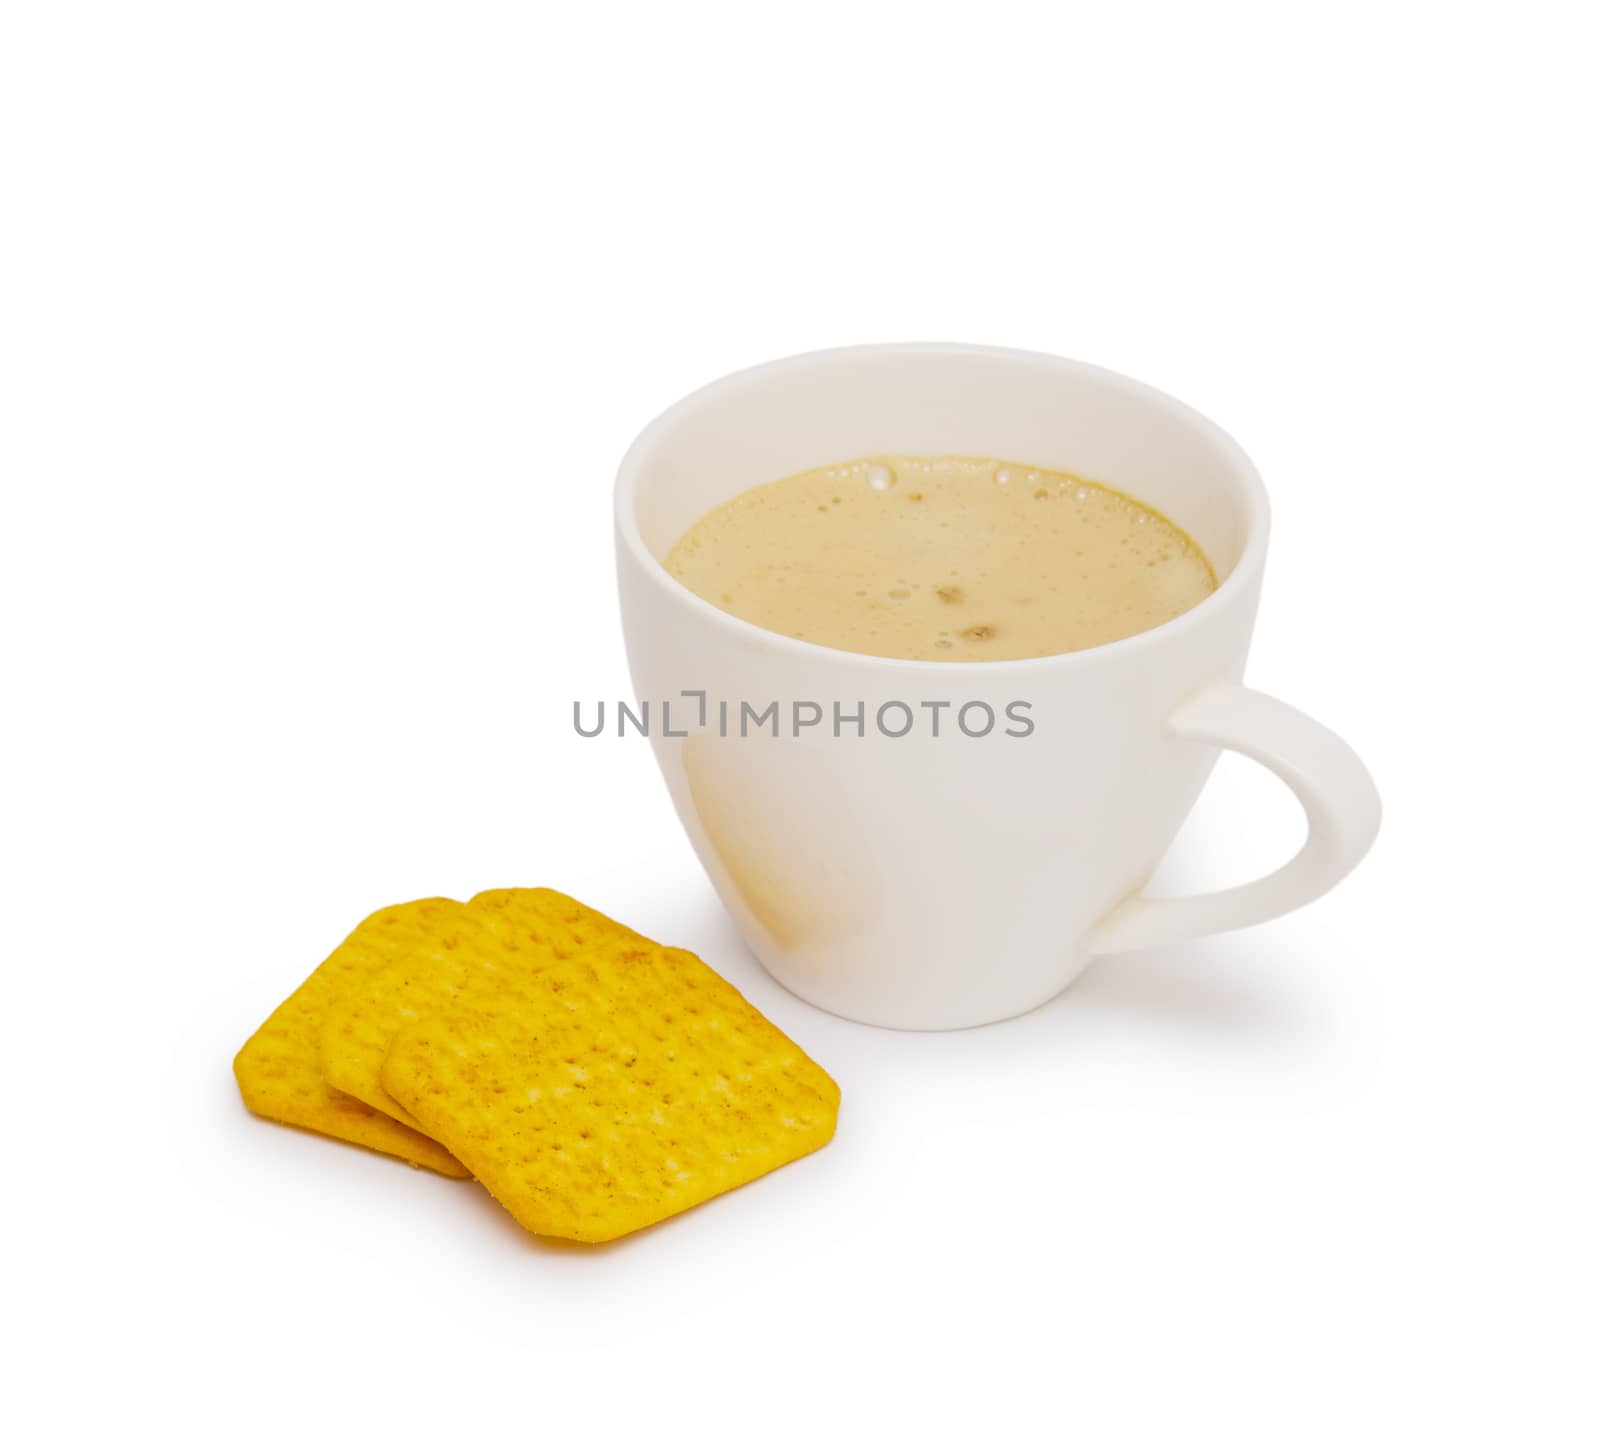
[{"x": 884, "y": 855}]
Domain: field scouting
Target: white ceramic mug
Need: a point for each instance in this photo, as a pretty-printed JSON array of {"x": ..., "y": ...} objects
[{"x": 936, "y": 880}]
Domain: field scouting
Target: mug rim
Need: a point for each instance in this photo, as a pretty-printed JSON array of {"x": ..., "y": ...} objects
[{"x": 1243, "y": 577}]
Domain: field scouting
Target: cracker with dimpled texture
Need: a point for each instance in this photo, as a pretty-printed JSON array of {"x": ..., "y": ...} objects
[
  {"x": 610, "y": 1086},
  {"x": 279, "y": 1070},
  {"x": 499, "y": 935}
]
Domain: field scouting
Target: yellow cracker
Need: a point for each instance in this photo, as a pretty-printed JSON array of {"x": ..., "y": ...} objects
[
  {"x": 499, "y": 934},
  {"x": 599, "y": 1088},
  {"x": 279, "y": 1069}
]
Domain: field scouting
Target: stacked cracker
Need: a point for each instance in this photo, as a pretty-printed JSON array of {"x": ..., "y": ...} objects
[{"x": 593, "y": 1080}]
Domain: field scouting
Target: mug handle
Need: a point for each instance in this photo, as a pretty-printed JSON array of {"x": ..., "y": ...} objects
[{"x": 1332, "y": 784}]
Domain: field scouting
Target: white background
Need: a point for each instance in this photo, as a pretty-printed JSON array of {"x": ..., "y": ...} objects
[{"x": 323, "y": 327}]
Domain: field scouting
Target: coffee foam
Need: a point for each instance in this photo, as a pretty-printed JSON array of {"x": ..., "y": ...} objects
[{"x": 943, "y": 558}]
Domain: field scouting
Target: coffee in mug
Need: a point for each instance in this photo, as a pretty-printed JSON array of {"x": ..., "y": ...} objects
[{"x": 943, "y": 558}]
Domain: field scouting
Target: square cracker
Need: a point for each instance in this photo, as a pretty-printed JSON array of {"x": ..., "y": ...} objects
[
  {"x": 500, "y": 934},
  {"x": 597, "y": 1082},
  {"x": 279, "y": 1069}
]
